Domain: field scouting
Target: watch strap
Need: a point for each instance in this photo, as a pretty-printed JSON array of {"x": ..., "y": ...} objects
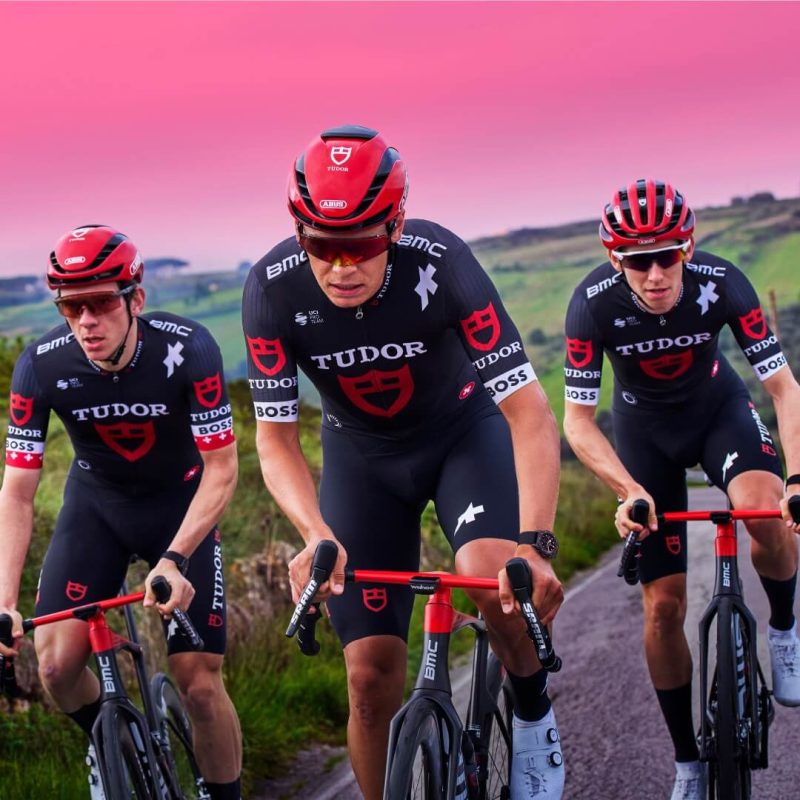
[{"x": 180, "y": 560}]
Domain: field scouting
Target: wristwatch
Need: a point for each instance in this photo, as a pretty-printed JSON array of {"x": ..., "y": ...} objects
[
  {"x": 181, "y": 560},
  {"x": 543, "y": 542}
]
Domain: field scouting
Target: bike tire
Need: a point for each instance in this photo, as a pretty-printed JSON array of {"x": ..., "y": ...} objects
[
  {"x": 175, "y": 728},
  {"x": 731, "y": 764},
  {"x": 417, "y": 768},
  {"x": 495, "y": 745},
  {"x": 125, "y": 771}
]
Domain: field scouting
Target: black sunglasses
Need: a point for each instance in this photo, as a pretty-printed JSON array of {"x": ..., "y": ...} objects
[{"x": 642, "y": 260}]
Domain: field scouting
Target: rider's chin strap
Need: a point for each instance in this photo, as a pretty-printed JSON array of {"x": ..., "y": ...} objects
[{"x": 115, "y": 358}]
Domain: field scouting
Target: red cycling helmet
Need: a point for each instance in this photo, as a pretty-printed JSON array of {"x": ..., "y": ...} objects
[
  {"x": 93, "y": 254},
  {"x": 347, "y": 178},
  {"x": 646, "y": 212}
]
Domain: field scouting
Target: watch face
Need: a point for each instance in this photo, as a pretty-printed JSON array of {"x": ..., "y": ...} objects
[{"x": 547, "y": 544}]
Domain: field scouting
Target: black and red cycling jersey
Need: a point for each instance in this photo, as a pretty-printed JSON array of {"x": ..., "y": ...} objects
[
  {"x": 434, "y": 341},
  {"x": 139, "y": 428},
  {"x": 669, "y": 358}
]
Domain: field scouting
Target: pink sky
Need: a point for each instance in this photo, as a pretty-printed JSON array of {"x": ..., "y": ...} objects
[{"x": 177, "y": 122}]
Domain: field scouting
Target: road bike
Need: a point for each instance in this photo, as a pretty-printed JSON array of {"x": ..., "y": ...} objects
[
  {"x": 147, "y": 754},
  {"x": 432, "y": 754},
  {"x": 736, "y": 703}
]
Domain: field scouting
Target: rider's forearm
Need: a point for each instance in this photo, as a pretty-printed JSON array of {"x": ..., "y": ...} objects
[
  {"x": 17, "y": 526},
  {"x": 787, "y": 412},
  {"x": 288, "y": 478},
  {"x": 595, "y": 452},
  {"x": 215, "y": 491}
]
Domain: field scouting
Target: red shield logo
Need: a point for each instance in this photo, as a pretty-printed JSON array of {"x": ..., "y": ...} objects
[
  {"x": 673, "y": 544},
  {"x": 267, "y": 349},
  {"x": 374, "y": 599},
  {"x": 215, "y": 621},
  {"x": 21, "y": 409},
  {"x": 579, "y": 352},
  {"x": 379, "y": 382},
  {"x": 208, "y": 391},
  {"x": 665, "y": 368},
  {"x": 770, "y": 451},
  {"x": 484, "y": 322},
  {"x": 131, "y": 440},
  {"x": 753, "y": 324},
  {"x": 76, "y": 591}
]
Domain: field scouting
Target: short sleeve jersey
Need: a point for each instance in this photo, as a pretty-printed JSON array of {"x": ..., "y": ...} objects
[
  {"x": 664, "y": 358},
  {"x": 143, "y": 426},
  {"x": 432, "y": 342}
]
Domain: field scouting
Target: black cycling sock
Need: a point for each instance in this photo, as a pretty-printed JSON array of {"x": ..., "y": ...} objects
[
  {"x": 531, "y": 702},
  {"x": 781, "y": 601},
  {"x": 225, "y": 791},
  {"x": 676, "y": 706},
  {"x": 86, "y": 715}
]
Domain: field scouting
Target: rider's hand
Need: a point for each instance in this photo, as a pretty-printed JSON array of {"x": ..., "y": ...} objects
[
  {"x": 791, "y": 490},
  {"x": 16, "y": 632},
  {"x": 300, "y": 568},
  {"x": 548, "y": 593},
  {"x": 182, "y": 591},
  {"x": 623, "y": 521}
]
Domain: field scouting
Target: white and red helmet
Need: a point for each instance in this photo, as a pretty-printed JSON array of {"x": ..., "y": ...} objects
[
  {"x": 93, "y": 254},
  {"x": 346, "y": 179},
  {"x": 646, "y": 212}
]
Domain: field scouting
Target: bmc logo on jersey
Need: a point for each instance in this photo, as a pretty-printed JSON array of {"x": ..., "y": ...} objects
[
  {"x": 208, "y": 391},
  {"x": 131, "y": 440},
  {"x": 21, "y": 408},
  {"x": 378, "y": 382},
  {"x": 666, "y": 368},
  {"x": 374, "y": 599},
  {"x": 482, "y": 322},
  {"x": 579, "y": 352},
  {"x": 267, "y": 349},
  {"x": 753, "y": 324}
]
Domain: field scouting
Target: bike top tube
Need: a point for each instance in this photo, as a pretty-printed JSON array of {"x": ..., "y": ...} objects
[
  {"x": 445, "y": 580},
  {"x": 79, "y": 611},
  {"x": 723, "y": 515}
]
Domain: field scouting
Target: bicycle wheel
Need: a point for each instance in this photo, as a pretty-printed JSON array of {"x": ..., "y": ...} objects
[
  {"x": 417, "y": 767},
  {"x": 124, "y": 762},
  {"x": 494, "y": 752},
  {"x": 176, "y": 737},
  {"x": 732, "y": 727}
]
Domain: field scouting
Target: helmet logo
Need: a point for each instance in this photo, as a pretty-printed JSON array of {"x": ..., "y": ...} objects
[
  {"x": 642, "y": 202},
  {"x": 333, "y": 203},
  {"x": 79, "y": 234},
  {"x": 339, "y": 155},
  {"x": 668, "y": 208},
  {"x": 74, "y": 260},
  {"x": 136, "y": 263}
]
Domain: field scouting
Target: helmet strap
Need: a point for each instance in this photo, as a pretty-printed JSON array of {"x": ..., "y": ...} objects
[{"x": 117, "y": 355}]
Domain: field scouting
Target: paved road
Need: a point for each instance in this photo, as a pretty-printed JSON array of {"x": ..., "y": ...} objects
[{"x": 615, "y": 743}]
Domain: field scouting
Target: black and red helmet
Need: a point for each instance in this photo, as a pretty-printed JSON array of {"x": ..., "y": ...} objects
[
  {"x": 93, "y": 254},
  {"x": 646, "y": 212},
  {"x": 347, "y": 178}
]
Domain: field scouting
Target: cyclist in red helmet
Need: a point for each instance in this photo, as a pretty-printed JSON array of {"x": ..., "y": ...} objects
[
  {"x": 151, "y": 476},
  {"x": 426, "y": 395},
  {"x": 656, "y": 308}
]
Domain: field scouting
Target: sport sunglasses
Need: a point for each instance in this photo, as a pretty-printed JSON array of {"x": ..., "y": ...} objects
[
  {"x": 642, "y": 260},
  {"x": 346, "y": 250},
  {"x": 96, "y": 304}
]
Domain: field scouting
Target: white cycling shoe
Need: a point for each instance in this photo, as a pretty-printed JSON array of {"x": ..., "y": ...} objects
[
  {"x": 95, "y": 785},
  {"x": 784, "y": 653},
  {"x": 691, "y": 781},
  {"x": 537, "y": 766}
]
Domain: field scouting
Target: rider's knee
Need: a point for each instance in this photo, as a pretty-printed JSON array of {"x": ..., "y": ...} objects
[
  {"x": 373, "y": 689},
  {"x": 56, "y": 674},
  {"x": 665, "y": 611}
]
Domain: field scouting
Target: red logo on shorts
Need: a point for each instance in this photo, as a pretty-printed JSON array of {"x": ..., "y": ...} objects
[
  {"x": 770, "y": 451},
  {"x": 131, "y": 440},
  {"x": 208, "y": 391},
  {"x": 579, "y": 352},
  {"x": 76, "y": 591},
  {"x": 665, "y": 368},
  {"x": 217, "y": 535},
  {"x": 374, "y": 599},
  {"x": 753, "y": 324},
  {"x": 673, "y": 544},
  {"x": 484, "y": 319},
  {"x": 267, "y": 348},
  {"x": 215, "y": 621},
  {"x": 378, "y": 382},
  {"x": 21, "y": 408}
]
